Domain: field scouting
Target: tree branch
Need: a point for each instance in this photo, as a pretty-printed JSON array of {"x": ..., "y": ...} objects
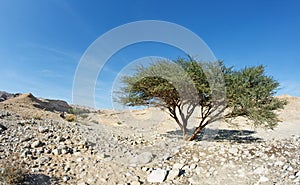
[{"x": 172, "y": 111}]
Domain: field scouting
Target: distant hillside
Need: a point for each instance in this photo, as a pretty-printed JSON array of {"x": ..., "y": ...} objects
[
  {"x": 30, "y": 106},
  {"x": 5, "y": 95}
]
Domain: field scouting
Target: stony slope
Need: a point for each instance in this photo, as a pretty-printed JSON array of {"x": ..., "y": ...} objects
[{"x": 103, "y": 147}]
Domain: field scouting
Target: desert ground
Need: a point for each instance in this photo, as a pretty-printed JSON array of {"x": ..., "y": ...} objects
[{"x": 57, "y": 143}]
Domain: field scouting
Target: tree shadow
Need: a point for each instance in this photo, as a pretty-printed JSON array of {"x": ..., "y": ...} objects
[
  {"x": 219, "y": 135},
  {"x": 39, "y": 179}
]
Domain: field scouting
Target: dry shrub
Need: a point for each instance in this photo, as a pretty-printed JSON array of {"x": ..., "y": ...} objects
[
  {"x": 12, "y": 170},
  {"x": 70, "y": 117}
]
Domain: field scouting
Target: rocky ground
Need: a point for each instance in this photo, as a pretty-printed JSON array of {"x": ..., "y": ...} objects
[{"x": 94, "y": 150}]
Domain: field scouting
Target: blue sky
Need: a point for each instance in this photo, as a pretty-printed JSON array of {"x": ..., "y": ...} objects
[{"x": 41, "y": 42}]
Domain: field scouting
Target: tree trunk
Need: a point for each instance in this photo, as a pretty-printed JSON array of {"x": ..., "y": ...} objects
[
  {"x": 184, "y": 134},
  {"x": 184, "y": 129},
  {"x": 197, "y": 131}
]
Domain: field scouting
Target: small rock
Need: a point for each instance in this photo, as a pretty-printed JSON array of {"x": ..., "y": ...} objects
[
  {"x": 66, "y": 178},
  {"x": 26, "y": 153},
  {"x": 173, "y": 174},
  {"x": 145, "y": 169},
  {"x": 79, "y": 159},
  {"x": 33, "y": 170},
  {"x": 60, "y": 139},
  {"x": 142, "y": 158},
  {"x": 91, "y": 180},
  {"x": 263, "y": 179},
  {"x": 82, "y": 183},
  {"x": 82, "y": 143},
  {"x": 157, "y": 175},
  {"x": 49, "y": 170},
  {"x": 193, "y": 166},
  {"x": 241, "y": 172},
  {"x": 26, "y": 138},
  {"x": 43, "y": 129},
  {"x": 64, "y": 151},
  {"x": 56, "y": 151},
  {"x": 279, "y": 163},
  {"x": 233, "y": 150},
  {"x": 186, "y": 168},
  {"x": 196, "y": 159},
  {"x": 196, "y": 180},
  {"x": 290, "y": 168},
  {"x": 22, "y": 123},
  {"x": 260, "y": 170},
  {"x": 135, "y": 183},
  {"x": 2, "y": 128},
  {"x": 207, "y": 174},
  {"x": 198, "y": 170},
  {"x": 292, "y": 176},
  {"x": 178, "y": 166},
  {"x": 103, "y": 155},
  {"x": 212, "y": 169},
  {"x": 166, "y": 157},
  {"x": 36, "y": 144},
  {"x": 67, "y": 168},
  {"x": 44, "y": 159}
]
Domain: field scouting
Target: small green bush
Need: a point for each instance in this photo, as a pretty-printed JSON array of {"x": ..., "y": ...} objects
[{"x": 72, "y": 111}]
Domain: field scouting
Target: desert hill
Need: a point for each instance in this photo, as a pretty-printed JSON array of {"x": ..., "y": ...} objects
[
  {"x": 291, "y": 111},
  {"x": 29, "y": 106},
  {"x": 5, "y": 95}
]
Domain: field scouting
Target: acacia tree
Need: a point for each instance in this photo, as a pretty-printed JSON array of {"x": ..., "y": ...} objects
[{"x": 185, "y": 84}]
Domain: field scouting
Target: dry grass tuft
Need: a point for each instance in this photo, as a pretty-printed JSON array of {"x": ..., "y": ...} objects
[
  {"x": 70, "y": 117},
  {"x": 12, "y": 171}
]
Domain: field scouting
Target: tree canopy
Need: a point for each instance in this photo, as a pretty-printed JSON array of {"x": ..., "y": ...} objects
[{"x": 218, "y": 91}]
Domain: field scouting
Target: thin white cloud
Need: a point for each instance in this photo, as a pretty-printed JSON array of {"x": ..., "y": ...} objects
[
  {"x": 54, "y": 51},
  {"x": 50, "y": 74},
  {"x": 60, "y": 52}
]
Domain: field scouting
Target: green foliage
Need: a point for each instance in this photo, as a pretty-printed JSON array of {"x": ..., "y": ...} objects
[
  {"x": 251, "y": 93},
  {"x": 72, "y": 111},
  {"x": 147, "y": 86},
  {"x": 185, "y": 84}
]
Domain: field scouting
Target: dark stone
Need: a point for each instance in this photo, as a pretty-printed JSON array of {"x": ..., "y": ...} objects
[{"x": 2, "y": 128}]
